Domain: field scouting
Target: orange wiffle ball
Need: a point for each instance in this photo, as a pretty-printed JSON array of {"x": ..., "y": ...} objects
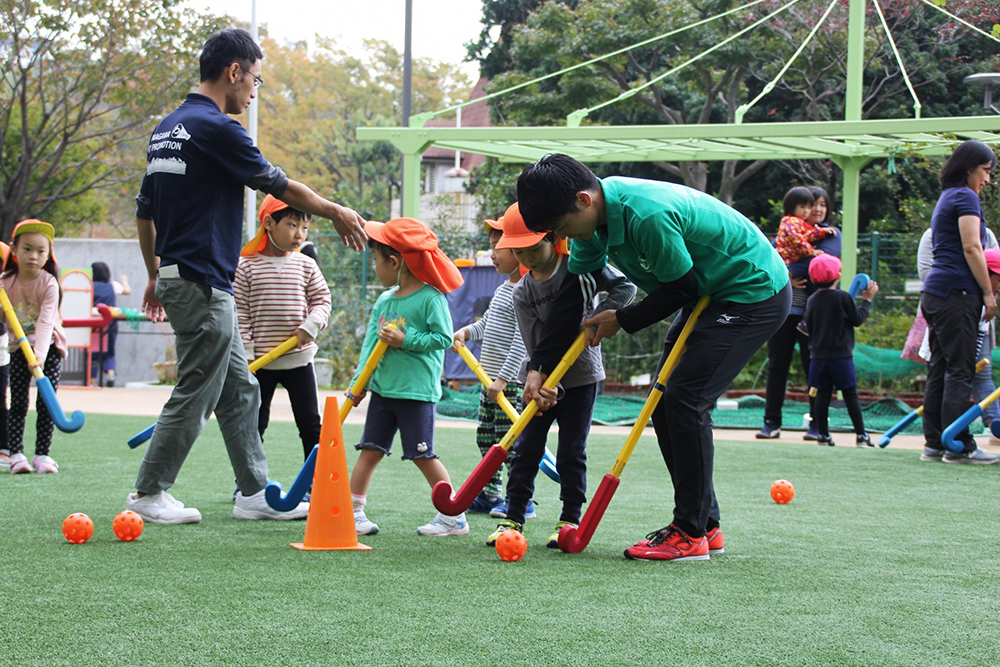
[
  {"x": 511, "y": 546},
  {"x": 77, "y": 528},
  {"x": 782, "y": 491},
  {"x": 127, "y": 526}
]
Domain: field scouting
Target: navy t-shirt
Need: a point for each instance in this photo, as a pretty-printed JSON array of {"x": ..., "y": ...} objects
[
  {"x": 951, "y": 270},
  {"x": 198, "y": 162}
]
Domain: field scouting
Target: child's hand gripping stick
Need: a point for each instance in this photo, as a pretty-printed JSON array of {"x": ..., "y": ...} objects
[
  {"x": 489, "y": 464},
  {"x": 912, "y": 417},
  {"x": 573, "y": 539},
  {"x": 283, "y": 502},
  {"x": 547, "y": 464},
  {"x": 255, "y": 365},
  {"x": 46, "y": 391},
  {"x": 960, "y": 424}
]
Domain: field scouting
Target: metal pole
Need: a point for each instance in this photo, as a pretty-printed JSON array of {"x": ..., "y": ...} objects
[
  {"x": 250, "y": 205},
  {"x": 855, "y": 59},
  {"x": 407, "y": 95}
]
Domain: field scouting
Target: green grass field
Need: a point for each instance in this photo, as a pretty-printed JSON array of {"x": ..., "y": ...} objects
[{"x": 879, "y": 560}]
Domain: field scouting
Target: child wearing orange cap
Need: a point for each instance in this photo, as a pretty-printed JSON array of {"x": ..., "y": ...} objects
[
  {"x": 4, "y": 378},
  {"x": 829, "y": 321},
  {"x": 501, "y": 354},
  {"x": 413, "y": 319},
  {"x": 281, "y": 293},
  {"x": 31, "y": 280},
  {"x": 551, "y": 304}
]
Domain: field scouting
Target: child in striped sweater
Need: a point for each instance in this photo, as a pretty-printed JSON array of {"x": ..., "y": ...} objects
[{"x": 281, "y": 293}]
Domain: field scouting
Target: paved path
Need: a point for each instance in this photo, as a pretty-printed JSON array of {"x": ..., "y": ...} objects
[{"x": 148, "y": 400}]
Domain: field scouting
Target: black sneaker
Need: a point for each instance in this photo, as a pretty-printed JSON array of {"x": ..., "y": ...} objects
[
  {"x": 865, "y": 441},
  {"x": 768, "y": 432},
  {"x": 977, "y": 455},
  {"x": 932, "y": 454},
  {"x": 812, "y": 433},
  {"x": 824, "y": 440}
]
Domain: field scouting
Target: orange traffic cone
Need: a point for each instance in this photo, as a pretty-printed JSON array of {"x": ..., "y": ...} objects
[{"x": 330, "y": 525}]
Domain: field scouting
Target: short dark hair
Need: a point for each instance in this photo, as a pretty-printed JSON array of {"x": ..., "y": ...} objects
[
  {"x": 278, "y": 216},
  {"x": 969, "y": 155},
  {"x": 386, "y": 251},
  {"x": 495, "y": 234},
  {"x": 825, "y": 285},
  {"x": 795, "y": 198},
  {"x": 547, "y": 189},
  {"x": 100, "y": 272},
  {"x": 226, "y": 47}
]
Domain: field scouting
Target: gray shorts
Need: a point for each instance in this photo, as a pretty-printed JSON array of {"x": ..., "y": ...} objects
[{"x": 413, "y": 419}]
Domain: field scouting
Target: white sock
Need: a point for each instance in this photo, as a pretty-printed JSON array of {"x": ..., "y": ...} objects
[{"x": 358, "y": 502}]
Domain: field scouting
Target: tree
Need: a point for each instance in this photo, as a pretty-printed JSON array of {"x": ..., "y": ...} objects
[
  {"x": 313, "y": 102},
  {"x": 77, "y": 80}
]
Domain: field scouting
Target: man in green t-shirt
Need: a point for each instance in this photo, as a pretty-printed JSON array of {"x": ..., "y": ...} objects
[{"x": 676, "y": 244}]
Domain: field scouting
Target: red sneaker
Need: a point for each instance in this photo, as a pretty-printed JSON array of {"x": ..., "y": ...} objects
[
  {"x": 670, "y": 543},
  {"x": 716, "y": 543}
]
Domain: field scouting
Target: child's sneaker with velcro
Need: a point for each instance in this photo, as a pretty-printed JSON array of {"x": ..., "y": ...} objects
[
  {"x": 553, "y": 541},
  {"x": 669, "y": 544},
  {"x": 362, "y": 525},
  {"x": 500, "y": 511},
  {"x": 19, "y": 464},
  {"x": 45, "y": 464},
  {"x": 484, "y": 504},
  {"x": 443, "y": 525},
  {"x": 865, "y": 441},
  {"x": 503, "y": 526},
  {"x": 161, "y": 508}
]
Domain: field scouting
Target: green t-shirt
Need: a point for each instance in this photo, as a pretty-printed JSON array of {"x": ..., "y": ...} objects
[
  {"x": 656, "y": 232},
  {"x": 413, "y": 371}
]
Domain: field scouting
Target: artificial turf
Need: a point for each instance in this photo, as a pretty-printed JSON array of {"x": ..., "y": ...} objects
[{"x": 879, "y": 560}]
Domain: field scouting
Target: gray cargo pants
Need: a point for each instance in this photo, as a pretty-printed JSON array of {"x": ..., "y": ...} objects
[{"x": 213, "y": 376}]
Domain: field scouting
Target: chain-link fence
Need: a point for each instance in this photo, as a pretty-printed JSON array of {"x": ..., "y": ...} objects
[{"x": 888, "y": 258}]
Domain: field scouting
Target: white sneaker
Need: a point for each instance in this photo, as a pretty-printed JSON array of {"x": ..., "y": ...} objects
[
  {"x": 361, "y": 523},
  {"x": 256, "y": 507},
  {"x": 443, "y": 525},
  {"x": 45, "y": 464},
  {"x": 19, "y": 464},
  {"x": 162, "y": 508}
]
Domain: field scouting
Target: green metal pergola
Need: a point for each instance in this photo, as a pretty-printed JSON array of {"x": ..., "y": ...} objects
[{"x": 850, "y": 144}]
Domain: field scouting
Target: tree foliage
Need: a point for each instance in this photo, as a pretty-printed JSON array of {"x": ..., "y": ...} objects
[
  {"x": 78, "y": 79},
  {"x": 313, "y": 102},
  {"x": 540, "y": 37}
]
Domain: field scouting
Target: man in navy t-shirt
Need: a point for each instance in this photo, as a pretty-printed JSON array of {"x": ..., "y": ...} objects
[{"x": 189, "y": 216}]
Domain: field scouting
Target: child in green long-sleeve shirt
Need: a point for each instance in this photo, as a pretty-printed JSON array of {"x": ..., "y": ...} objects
[{"x": 413, "y": 319}]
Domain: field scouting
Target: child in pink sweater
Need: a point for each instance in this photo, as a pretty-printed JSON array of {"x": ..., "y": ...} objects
[
  {"x": 31, "y": 280},
  {"x": 281, "y": 293}
]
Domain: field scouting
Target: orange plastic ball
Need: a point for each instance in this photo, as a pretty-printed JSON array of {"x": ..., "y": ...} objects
[
  {"x": 782, "y": 491},
  {"x": 511, "y": 546},
  {"x": 127, "y": 526},
  {"x": 77, "y": 528}
]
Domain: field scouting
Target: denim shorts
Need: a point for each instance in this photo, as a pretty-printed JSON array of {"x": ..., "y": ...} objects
[
  {"x": 413, "y": 419},
  {"x": 829, "y": 373}
]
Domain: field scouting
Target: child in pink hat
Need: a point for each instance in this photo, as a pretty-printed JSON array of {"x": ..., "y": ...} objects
[{"x": 829, "y": 321}]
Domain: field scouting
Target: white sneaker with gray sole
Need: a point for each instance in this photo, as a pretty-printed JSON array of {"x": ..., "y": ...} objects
[
  {"x": 255, "y": 507},
  {"x": 162, "y": 508}
]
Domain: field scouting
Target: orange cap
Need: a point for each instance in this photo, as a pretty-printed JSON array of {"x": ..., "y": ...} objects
[
  {"x": 269, "y": 206},
  {"x": 515, "y": 233},
  {"x": 418, "y": 245},
  {"x": 489, "y": 224}
]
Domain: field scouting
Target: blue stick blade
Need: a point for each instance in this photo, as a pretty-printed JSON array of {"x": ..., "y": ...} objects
[
  {"x": 142, "y": 436},
  {"x": 956, "y": 427},
  {"x": 70, "y": 424}
]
